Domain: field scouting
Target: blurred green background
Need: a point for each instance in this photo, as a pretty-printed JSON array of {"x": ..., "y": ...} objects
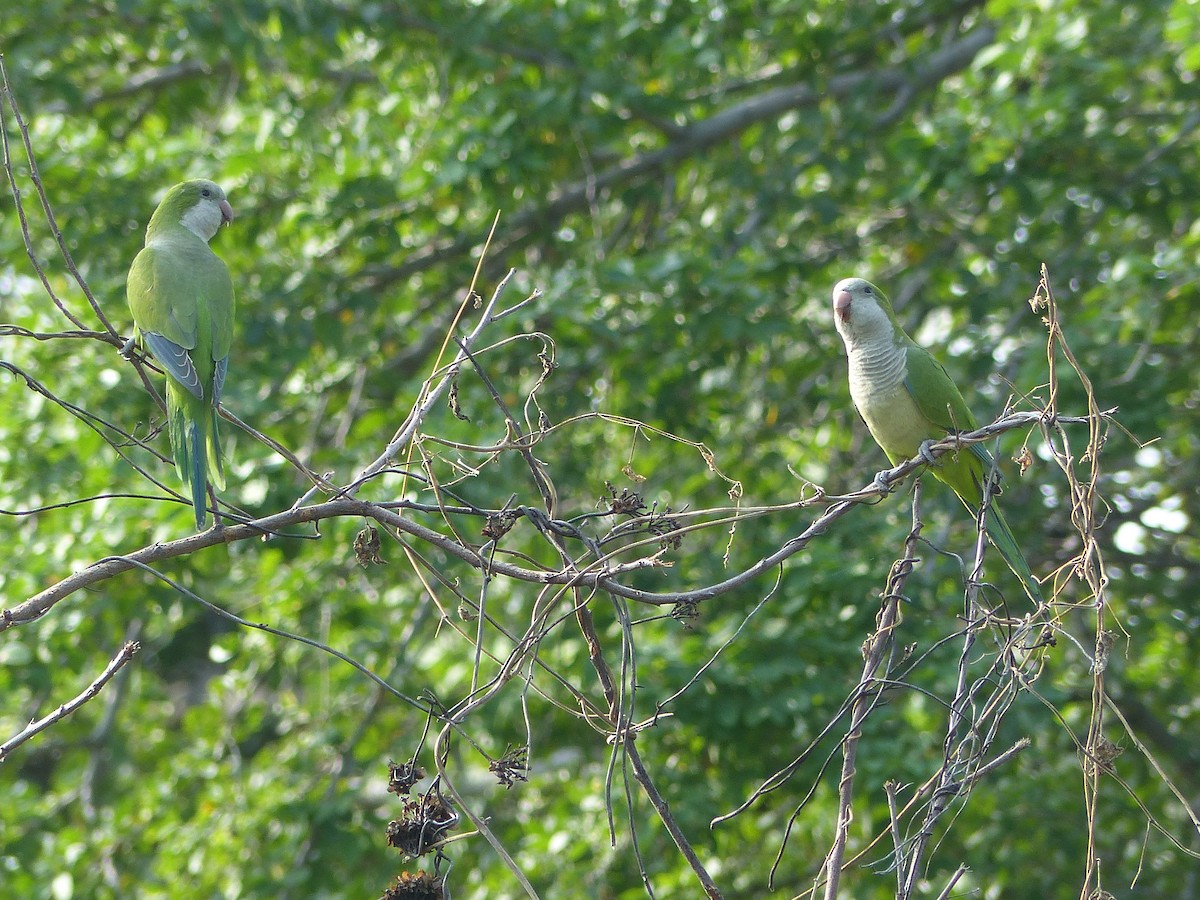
[{"x": 684, "y": 182}]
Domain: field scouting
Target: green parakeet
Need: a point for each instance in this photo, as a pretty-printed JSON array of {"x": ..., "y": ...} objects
[
  {"x": 181, "y": 298},
  {"x": 906, "y": 398}
]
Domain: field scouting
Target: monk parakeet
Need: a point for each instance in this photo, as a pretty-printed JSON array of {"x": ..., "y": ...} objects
[
  {"x": 906, "y": 398},
  {"x": 181, "y": 298}
]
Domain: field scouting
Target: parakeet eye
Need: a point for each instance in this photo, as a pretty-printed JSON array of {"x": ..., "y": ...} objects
[{"x": 205, "y": 192}]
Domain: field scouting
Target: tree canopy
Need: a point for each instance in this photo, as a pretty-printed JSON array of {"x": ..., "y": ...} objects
[{"x": 545, "y": 485}]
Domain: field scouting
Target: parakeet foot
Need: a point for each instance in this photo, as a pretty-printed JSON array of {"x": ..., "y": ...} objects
[
  {"x": 925, "y": 453},
  {"x": 881, "y": 481}
]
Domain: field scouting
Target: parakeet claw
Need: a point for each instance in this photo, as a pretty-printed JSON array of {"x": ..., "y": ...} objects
[
  {"x": 127, "y": 349},
  {"x": 881, "y": 481},
  {"x": 925, "y": 453}
]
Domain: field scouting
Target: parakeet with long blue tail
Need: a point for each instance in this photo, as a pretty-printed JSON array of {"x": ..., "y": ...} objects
[{"x": 181, "y": 297}]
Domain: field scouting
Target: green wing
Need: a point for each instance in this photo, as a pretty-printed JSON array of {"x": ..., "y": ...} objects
[
  {"x": 161, "y": 299},
  {"x": 181, "y": 297},
  {"x": 182, "y": 305},
  {"x": 940, "y": 401},
  {"x": 935, "y": 393}
]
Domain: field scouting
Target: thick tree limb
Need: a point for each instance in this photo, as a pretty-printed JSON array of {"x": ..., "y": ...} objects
[{"x": 904, "y": 80}]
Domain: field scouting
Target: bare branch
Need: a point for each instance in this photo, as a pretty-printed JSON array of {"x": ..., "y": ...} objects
[
  {"x": 118, "y": 662},
  {"x": 878, "y": 645},
  {"x": 47, "y": 210},
  {"x": 664, "y": 812},
  {"x": 601, "y": 573}
]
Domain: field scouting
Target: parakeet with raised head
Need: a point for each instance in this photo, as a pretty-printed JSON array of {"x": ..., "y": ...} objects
[
  {"x": 181, "y": 297},
  {"x": 906, "y": 398}
]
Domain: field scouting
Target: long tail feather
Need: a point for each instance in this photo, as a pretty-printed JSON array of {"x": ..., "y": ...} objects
[
  {"x": 1002, "y": 537},
  {"x": 216, "y": 465},
  {"x": 197, "y": 476},
  {"x": 188, "y": 441},
  {"x": 967, "y": 480}
]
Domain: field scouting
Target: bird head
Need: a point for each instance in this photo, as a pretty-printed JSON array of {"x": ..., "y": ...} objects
[
  {"x": 861, "y": 311},
  {"x": 199, "y": 206}
]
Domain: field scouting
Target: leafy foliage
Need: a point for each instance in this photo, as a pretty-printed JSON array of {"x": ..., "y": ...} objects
[{"x": 683, "y": 183}]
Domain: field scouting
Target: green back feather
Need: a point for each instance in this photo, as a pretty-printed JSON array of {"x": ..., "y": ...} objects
[{"x": 180, "y": 291}]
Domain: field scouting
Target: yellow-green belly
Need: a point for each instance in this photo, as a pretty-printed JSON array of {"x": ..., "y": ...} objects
[{"x": 895, "y": 421}]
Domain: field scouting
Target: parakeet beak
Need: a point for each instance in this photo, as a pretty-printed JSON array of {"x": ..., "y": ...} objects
[
  {"x": 226, "y": 212},
  {"x": 841, "y": 305}
]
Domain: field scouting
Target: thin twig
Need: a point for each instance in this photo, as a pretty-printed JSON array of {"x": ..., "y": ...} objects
[
  {"x": 47, "y": 210},
  {"x": 879, "y": 645},
  {"x": 431, "y": 394},
  {"x": 33, "y": 728},
  {"x": 480, "y": 823},
  {"x": 1089, "y": 564},
  {"x": 599, "y": 573},
  {"x": 668, "y": 819}
]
